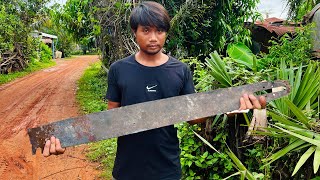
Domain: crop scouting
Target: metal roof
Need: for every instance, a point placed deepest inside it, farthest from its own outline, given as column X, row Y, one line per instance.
column 279, row 26
column 49, row 35
column 45, row 35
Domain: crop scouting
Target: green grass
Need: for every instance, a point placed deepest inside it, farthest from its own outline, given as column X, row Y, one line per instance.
column 91, row 90
column 35, row 66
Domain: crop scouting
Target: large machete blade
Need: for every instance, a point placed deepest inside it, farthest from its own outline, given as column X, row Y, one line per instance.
column 149, row 115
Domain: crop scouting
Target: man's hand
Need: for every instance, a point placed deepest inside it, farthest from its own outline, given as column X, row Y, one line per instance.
column 252, row 102
column 246, row 102
column 53, row 146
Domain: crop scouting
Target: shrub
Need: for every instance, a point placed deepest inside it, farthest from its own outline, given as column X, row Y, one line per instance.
column 45, row 53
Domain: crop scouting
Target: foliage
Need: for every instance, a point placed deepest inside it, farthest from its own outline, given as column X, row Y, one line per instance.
column 198, row 161
column 279, row 64
column 243, row 55
column 18, row 18
column 303, row 134
column 283, row 48
column 33, row 66
column 54, row 25
column 103, row 152
column 78, row 21
column 299, row 8
column 305, row 83
column 92, row 87
column 200, row 27
column 45, row 53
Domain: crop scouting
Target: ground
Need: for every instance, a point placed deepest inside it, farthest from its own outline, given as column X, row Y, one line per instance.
column 37, row 99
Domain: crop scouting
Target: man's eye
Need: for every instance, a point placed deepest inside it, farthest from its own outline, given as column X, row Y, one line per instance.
column 146, row 30
column 160, row 30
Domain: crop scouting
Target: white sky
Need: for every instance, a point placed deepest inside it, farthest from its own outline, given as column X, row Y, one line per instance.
column 275, row 8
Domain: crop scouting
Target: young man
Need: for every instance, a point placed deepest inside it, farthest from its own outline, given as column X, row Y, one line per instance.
column 146, row 76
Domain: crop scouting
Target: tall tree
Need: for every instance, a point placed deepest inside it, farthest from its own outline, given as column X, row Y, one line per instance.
column 78, row 20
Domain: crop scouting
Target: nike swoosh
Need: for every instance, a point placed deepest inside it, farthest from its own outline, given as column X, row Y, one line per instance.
column 148, row 88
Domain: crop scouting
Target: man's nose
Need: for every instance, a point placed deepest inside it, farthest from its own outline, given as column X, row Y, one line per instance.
column 153, row 36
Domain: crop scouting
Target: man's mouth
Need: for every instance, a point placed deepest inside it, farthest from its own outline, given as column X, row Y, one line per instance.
column 153, row 46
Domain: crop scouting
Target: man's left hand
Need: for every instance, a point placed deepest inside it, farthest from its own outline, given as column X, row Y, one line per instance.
column 252, row 102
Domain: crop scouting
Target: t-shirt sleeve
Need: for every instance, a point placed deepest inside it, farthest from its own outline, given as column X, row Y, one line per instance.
column 113, row 91
column 188, row 86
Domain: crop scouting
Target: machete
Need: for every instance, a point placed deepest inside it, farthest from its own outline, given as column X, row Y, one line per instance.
column 148, row 115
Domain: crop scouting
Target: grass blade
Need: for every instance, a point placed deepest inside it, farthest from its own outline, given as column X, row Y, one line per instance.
column 303, row 159
column 316, row 160
column 304, row 138
column 298, row 113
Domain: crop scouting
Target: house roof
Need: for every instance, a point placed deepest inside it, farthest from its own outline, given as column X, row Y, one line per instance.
column 279, row 26
column 43, row 35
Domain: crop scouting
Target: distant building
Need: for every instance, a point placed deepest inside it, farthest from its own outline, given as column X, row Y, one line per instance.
column 48, row 39
column 264, row 31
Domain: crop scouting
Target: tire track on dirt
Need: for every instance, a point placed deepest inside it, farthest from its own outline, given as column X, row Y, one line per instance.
column 39, row 98
column 34, row 98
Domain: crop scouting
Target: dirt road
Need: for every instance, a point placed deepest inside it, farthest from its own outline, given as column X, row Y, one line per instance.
column 39, row 98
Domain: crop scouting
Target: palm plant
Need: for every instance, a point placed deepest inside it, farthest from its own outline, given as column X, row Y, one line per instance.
column 294, row 118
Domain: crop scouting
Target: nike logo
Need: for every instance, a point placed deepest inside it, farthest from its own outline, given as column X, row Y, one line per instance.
column 150, row 89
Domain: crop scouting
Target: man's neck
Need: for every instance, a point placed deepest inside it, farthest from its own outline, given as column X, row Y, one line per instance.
column 151, row 60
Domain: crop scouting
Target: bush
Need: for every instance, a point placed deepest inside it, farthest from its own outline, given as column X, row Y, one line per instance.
column 45, row 53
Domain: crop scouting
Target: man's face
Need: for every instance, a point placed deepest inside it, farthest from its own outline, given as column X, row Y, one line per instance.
column 150, row 39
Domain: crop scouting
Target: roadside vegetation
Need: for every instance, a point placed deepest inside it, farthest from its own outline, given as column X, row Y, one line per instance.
column 5, row 78
column 92, row 88
column 40, row 60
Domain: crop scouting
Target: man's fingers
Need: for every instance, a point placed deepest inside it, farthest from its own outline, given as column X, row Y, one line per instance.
column 46, row 149
column 247, row 101
column 53, row 145
column 242, row 104
column 255, row 102
column 59, row 149
column 263, row 102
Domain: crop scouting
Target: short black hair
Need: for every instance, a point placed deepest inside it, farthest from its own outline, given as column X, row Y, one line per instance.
column 150, row 13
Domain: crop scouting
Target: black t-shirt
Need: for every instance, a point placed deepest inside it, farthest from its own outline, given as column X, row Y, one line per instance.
column 152, row 154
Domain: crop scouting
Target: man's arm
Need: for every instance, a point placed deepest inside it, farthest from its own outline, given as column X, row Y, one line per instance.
column 112, row 104
column 246, row 102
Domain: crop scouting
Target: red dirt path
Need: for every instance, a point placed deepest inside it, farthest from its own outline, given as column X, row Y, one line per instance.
column 39, row 98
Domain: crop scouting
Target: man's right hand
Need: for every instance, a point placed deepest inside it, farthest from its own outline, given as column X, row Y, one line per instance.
column 53, row 146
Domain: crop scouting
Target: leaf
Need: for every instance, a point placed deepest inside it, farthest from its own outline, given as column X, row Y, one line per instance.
column 283, row 120
column 283, row 151
column 239, row 164
column 303, row 159
column 241, row 54
column 298, row 113
column 234, row 174
column 218, row 69
column 205, row 141
column 309, row 140
column 316, row 160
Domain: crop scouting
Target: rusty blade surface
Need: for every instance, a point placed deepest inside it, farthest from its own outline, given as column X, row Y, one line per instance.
column 149, row 115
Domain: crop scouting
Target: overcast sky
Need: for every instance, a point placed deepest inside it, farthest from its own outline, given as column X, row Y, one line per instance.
column 275, row 8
